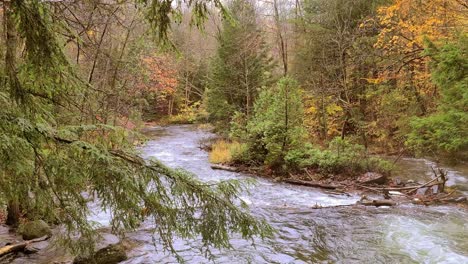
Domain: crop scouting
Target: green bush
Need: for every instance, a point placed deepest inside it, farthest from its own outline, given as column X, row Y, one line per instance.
column 446, row 130
column 277, row 124
column 342, row 156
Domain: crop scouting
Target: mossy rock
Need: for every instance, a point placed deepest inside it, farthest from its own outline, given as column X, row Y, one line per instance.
column 111, row 254
column 35, row 229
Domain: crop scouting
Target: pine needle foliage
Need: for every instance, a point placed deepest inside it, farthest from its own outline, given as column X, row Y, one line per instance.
column 445, row 131
column 240, row 68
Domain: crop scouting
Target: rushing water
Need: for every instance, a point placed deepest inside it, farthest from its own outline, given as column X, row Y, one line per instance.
column 409, row 234
column 405, row 234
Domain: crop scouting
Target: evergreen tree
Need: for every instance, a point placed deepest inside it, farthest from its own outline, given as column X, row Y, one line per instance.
column 241, row 65
column 446, row 130
column 277, row 124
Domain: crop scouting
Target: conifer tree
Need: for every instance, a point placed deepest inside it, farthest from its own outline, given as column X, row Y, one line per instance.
column 241, row 65
column 445, row 131
column 277, row 124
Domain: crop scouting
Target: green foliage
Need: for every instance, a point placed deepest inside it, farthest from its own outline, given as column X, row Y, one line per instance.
column 445, row 131
column 188, row 115
column 53, row 164
column 277, row 124
column 240, row 67
column 160, row 14
column 341, row 157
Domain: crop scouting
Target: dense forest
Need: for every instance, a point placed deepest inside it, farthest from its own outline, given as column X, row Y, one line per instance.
column 327, row 86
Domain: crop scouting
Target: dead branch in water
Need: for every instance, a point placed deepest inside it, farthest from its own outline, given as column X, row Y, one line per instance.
column 224, row 167
column 312, row 184
column 442, row 175
column 20, row 246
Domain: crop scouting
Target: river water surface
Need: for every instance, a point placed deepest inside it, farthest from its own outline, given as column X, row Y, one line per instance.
column 405, row 234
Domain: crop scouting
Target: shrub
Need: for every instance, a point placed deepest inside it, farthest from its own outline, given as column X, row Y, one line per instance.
column 188, row 115
column 227, row 152
column 277, row 124
column 342, row 156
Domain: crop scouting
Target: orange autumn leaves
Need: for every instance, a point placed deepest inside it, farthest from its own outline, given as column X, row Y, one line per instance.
column 161, row 75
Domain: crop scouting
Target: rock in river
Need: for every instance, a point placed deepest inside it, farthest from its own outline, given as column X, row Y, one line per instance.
column 111, row 254
column 35, row 229
column 372, row 177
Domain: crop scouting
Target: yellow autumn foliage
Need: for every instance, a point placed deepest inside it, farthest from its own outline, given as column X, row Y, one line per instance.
column 224, row 152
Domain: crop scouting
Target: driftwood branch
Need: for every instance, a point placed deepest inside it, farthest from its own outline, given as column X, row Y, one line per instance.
column 224, row 167
column 311, row 184
column 424, row 185
column 20, row 246
column 411, row 188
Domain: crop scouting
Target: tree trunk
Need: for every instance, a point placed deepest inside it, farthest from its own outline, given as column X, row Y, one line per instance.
column 11, row 48
column 13, row 214
column 282, row 44
column 13, row 211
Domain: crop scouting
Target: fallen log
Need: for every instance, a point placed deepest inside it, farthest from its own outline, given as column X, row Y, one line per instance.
column 20, row 246
column 378, row 203
column 312, row 184
column 224, row 167
column 408, row 188
column 426, row 184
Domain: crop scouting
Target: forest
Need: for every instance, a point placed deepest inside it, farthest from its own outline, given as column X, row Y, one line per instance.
column 318, row 93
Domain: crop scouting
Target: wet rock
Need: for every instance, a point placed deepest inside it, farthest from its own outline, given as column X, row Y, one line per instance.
column 372, row 177
column 397, row 181
column 111, row 254
column 35, row 247
column 30, row 250
column 35, row 229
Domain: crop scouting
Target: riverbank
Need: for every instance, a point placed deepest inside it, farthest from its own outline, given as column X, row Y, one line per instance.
column 339, row 232
column 382, row 187
column 404, row 234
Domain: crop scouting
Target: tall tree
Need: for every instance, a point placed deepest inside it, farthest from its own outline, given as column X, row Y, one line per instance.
column 277, row 125
column 241, row 65
column 323, row 62
column 445, row 131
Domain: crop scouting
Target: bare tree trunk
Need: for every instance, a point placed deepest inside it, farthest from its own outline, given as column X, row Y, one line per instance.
column 11, row 48
column 281, row 42
column 247, row 87
column 13, row 213
column 286, row 118
column 13, row 210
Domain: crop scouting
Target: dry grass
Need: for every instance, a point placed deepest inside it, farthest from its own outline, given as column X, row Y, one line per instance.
column 223, row 152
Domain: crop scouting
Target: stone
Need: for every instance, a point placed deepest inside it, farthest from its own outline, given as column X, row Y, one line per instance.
column 397, row 181
column 111, row 254
column 372, row 177
column 35, row 229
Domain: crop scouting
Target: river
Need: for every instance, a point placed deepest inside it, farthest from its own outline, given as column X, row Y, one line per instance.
column 404, row 234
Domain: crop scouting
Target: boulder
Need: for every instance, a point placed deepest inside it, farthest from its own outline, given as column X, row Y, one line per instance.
column 35, row 229
column 111, row 254
column 372, row 177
